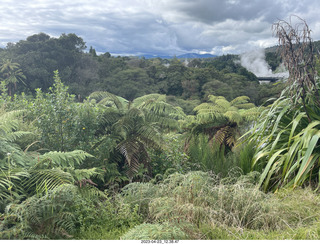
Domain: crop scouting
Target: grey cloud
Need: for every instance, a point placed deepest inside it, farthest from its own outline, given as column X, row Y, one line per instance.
column 155, row 26
column 212, row 11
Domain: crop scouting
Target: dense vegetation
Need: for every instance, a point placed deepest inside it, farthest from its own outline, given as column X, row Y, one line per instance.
column 156, row 149
column 83, row 72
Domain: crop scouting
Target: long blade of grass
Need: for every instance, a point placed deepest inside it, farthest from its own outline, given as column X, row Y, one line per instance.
column 307, row 160
column 270, row 163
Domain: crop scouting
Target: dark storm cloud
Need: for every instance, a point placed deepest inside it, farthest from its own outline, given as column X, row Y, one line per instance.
column 156, row 26
column 211, row 11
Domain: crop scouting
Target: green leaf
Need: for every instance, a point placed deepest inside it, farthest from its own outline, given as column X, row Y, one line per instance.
column 308, row 160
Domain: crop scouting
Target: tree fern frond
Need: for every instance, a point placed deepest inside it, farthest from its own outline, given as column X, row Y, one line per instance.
column 109, row 99
column 13, row 136
column 205, row 116
column 84, row 174
column 10, row 182
column 240, row 100
column 222, row 103
column 135, row 154
column 233, row 116
column 140, row 101
column 213, row 98
column 61, row 159
column 47, row 179
column 204, row 106
column 9, row 121
column 48, row 215
column 250, row 114
column 245, row 106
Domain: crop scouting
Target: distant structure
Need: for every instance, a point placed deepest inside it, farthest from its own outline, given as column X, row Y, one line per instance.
column 270, row 79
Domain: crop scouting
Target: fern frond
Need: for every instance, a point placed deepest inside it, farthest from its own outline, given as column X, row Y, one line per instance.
column 136, row 155
column 213, row 98
column 47, row 179
column 204, row 106
column 222, row 103
column 251, row 114
column 240, row 100
column 62, row 159
column 10, row 182
column 82, row 176
column 210, row 115
column 140, row 101
column 233, row 116
column 245, row 106
column 13, row 136
column 109, row 99
column 9, row 121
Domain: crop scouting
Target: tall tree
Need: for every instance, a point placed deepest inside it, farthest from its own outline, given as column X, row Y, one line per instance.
column 11, row 74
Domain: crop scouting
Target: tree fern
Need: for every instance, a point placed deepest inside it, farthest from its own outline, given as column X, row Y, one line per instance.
column 220, row 118
column 138, row 126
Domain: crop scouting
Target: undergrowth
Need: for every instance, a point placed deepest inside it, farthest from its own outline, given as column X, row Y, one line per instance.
column 203, row 206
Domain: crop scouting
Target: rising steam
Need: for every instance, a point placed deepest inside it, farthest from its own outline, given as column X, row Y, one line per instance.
column 255, row 62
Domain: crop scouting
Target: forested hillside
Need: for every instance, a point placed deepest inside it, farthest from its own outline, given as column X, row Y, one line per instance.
column 130, row 77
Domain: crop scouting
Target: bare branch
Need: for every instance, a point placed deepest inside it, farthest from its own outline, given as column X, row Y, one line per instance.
column 297, row 53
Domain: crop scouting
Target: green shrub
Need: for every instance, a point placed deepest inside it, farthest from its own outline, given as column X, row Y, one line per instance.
column 139, row 194
column 68, row 212
column 211, row 156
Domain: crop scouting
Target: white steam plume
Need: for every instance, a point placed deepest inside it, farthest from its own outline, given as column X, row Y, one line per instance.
column 255, row 62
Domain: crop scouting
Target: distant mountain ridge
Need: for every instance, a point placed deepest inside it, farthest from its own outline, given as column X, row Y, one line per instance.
column 182, row 56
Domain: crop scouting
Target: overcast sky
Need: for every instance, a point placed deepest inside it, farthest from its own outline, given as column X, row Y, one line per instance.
column 165, row 27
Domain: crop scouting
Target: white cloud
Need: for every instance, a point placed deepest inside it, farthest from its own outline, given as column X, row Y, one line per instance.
column 156, row 26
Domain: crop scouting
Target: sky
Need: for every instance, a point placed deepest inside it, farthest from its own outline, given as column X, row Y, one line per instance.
column 157, row 27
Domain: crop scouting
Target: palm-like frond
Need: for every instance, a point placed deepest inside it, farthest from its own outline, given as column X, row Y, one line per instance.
column 240, row 100
column 147, row 98
column 8, row 66
column 138, row 126
column 61, row 159
column 251, row 114
column 10, row 182
column 207, row 112
column 14, row 162
column 9, row 120
column 136, row 154
column 82, row 176
column 138, row 134
column 46, row 216
column 109, row 99
column 43, row 180
column 227, row 135
column 233, row 116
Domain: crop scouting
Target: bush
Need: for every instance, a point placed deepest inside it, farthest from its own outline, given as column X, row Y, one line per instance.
column 211, row 156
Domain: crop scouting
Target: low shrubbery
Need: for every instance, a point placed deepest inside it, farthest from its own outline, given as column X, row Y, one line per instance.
column 203, row 206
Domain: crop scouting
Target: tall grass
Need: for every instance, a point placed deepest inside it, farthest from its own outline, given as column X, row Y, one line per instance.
column 204, row 206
